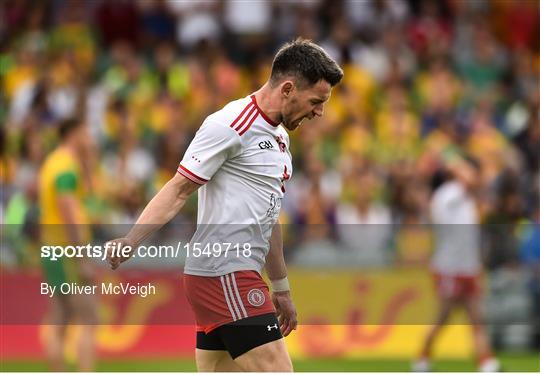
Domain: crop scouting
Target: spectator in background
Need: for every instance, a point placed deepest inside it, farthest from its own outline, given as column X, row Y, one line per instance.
column 528, row 143
column 438, row 92
column 370, row 18
column 253, row 32
column 315, row 219
column 445, row 137
column 530, row 258
column 196, row 21
column 501, row 228
column 19, row 86
column 397, row 129
column 314, row 230
column 171, row 73
column 409, row 198
column 34, row 37
column 517, row 22
column 118, row 21
column 296, row 18
column 64, row 86
column 387, row 56
column 430, row 33
column 482, row 70
column 341, row 44
column 364, row 224
column 485, row 143
column 19, row 199
column 157, row 23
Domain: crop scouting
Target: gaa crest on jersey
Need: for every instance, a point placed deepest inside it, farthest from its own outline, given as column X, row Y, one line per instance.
column 281, row 143
column 256, row 297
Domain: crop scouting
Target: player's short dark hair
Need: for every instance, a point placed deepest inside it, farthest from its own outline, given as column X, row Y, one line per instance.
column 307, row 62
column 67, row 126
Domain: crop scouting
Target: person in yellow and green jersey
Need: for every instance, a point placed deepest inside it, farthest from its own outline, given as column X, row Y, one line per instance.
column 64, row 222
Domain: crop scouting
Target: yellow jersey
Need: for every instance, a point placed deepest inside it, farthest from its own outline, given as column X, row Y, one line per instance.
column 60, row 174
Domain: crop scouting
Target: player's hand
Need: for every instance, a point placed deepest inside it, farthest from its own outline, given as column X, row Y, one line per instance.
column 286, row 311
column 115, row 257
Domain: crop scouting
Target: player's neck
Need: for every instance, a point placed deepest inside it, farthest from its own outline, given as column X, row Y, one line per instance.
column 70, row 148
column 268, row 101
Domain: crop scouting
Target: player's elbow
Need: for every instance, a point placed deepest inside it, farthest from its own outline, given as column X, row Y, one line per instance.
column 183, row 187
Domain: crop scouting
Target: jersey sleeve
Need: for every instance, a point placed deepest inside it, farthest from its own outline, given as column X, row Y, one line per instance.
column 66, row 182
column 287, row 140
column 212, row 145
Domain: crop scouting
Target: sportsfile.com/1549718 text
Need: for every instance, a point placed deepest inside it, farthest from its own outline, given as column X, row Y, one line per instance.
column 55, row 252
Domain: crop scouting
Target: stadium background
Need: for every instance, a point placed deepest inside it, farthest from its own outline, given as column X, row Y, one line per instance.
column 422, row 79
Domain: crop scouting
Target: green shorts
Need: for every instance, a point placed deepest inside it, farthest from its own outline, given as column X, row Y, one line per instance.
column 63, row 270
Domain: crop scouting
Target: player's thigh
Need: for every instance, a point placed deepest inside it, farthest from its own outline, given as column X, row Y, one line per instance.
column 84, row 309
column 210, row 361
column 473, row 309
column 272, row 356
column 211, row 354
column 256, row 343
column 60, row 311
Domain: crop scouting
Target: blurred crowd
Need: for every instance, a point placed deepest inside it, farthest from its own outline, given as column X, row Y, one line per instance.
column 423, row 79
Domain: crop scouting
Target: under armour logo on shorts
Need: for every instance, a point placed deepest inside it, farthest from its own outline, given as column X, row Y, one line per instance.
column 272, row 327
column 256, row 297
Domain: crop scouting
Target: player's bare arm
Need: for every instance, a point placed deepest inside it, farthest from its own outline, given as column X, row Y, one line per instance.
column 277, row 272
column 464, row 173
column 160, row 210
column 67, row 205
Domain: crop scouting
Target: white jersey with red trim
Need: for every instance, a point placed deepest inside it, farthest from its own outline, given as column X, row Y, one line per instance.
column 456, row 223
column 242, row 160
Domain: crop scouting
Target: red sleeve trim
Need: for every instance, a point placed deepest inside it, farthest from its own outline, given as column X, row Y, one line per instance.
column 191, row 176
column 246, row 128
column 241, row 115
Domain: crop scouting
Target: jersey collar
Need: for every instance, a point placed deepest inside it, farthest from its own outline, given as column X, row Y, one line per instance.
column 263, row 114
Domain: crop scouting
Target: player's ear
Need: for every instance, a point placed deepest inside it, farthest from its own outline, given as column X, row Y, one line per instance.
column 286, row 88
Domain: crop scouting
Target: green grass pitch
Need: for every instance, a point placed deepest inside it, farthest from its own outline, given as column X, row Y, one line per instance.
column 524, row 362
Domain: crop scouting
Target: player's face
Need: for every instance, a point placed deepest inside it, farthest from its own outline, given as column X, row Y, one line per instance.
column 305, row 103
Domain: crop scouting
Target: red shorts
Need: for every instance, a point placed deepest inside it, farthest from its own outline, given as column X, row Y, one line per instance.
column 457, row 286
column 217, row 301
